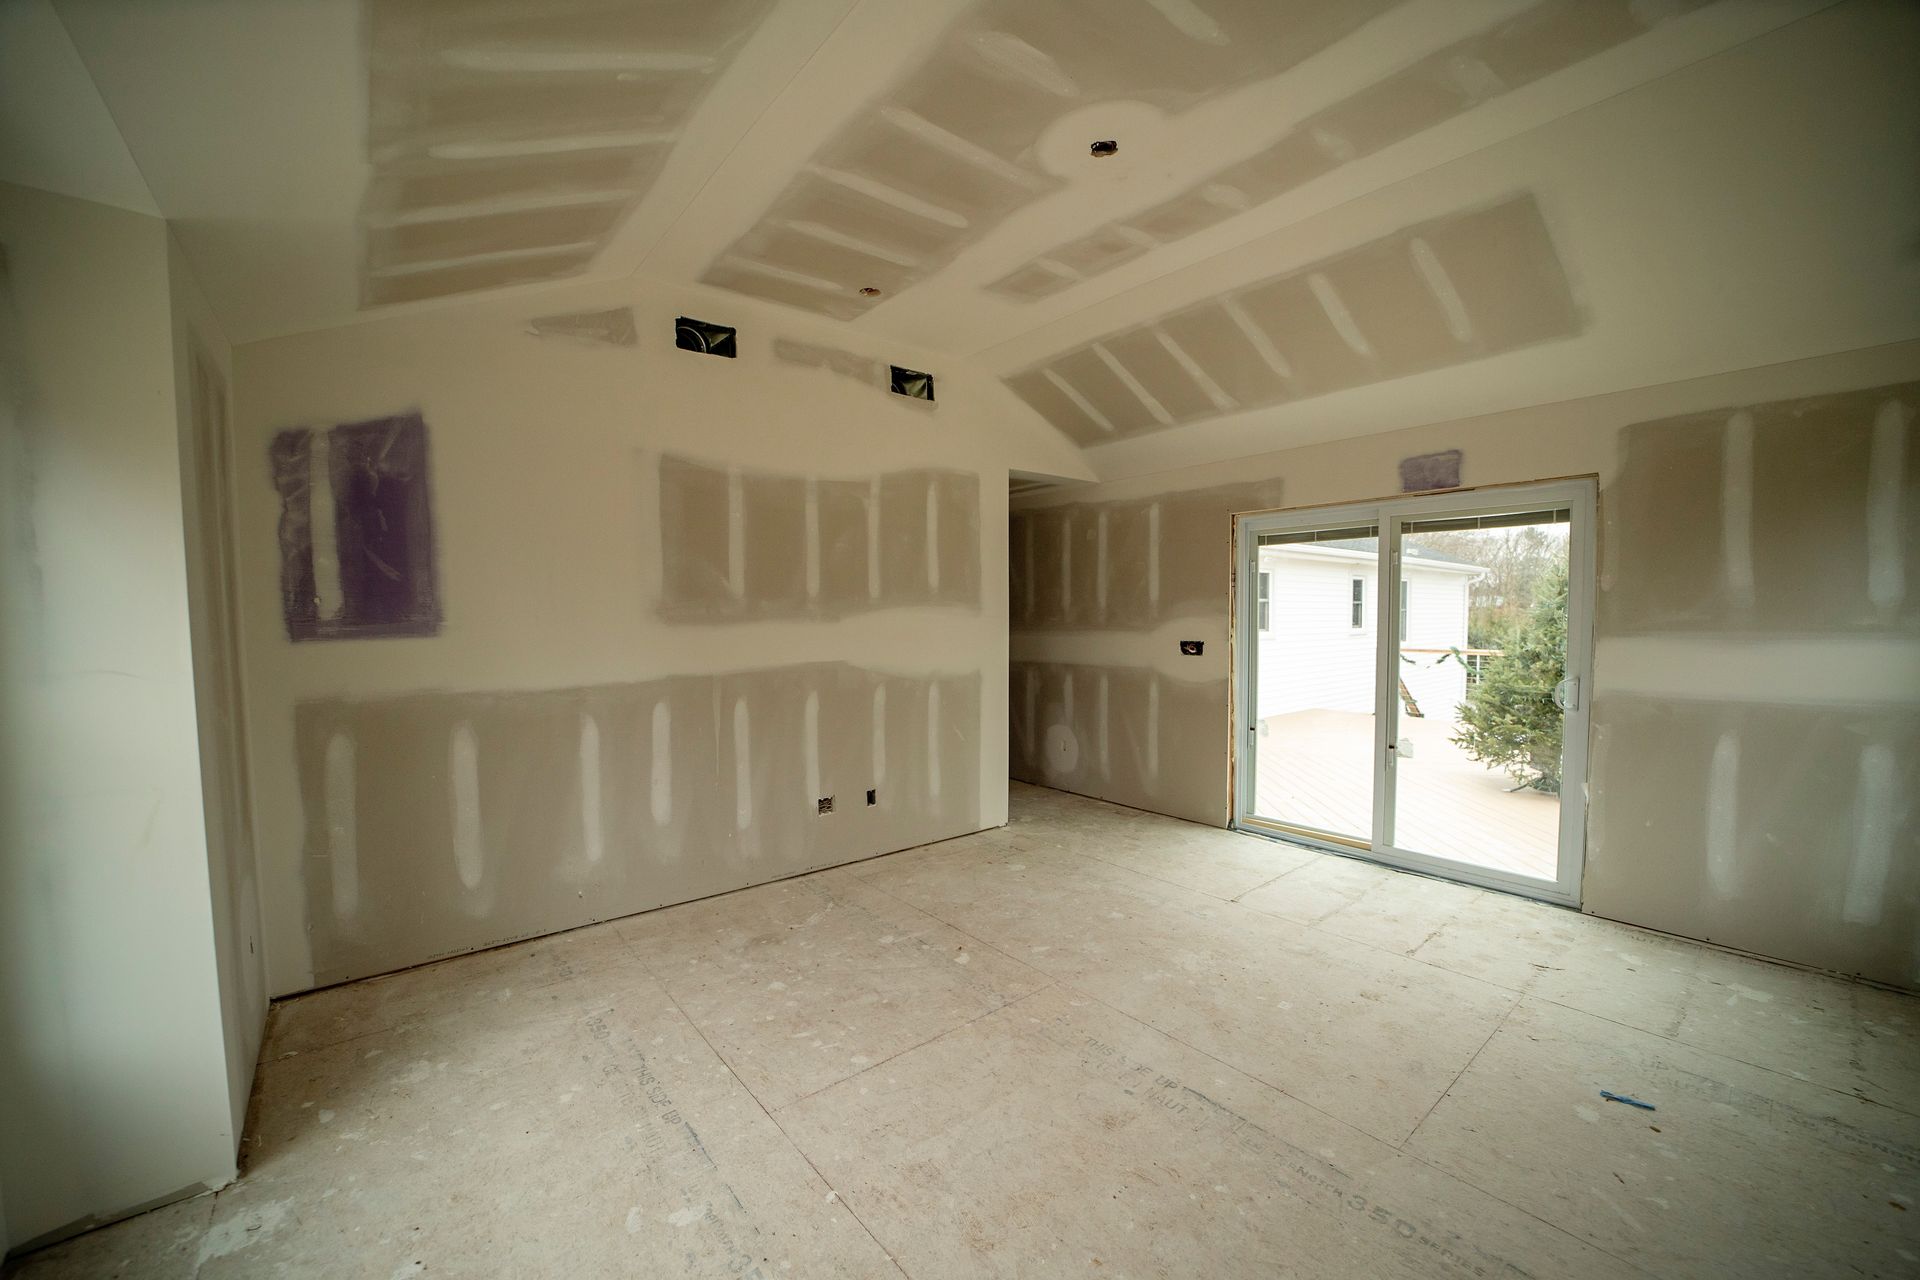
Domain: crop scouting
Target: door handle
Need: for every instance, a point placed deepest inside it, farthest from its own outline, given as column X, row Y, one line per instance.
column 1566, row 694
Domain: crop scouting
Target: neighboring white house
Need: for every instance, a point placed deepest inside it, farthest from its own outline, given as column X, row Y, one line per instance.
column 1318, row 619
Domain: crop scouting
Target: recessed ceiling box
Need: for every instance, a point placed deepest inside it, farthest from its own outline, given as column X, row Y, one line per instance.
column 712, row 339
column 912, row 383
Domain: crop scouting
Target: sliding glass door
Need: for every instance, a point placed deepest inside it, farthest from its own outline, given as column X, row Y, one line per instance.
column 1412, row 682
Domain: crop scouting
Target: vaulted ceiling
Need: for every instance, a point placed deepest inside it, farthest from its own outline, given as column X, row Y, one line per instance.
column 1321, row 214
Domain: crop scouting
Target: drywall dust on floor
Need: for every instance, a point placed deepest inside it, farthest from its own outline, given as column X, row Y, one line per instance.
column 1443, row 292
column 507, row 145
column 960, row 142
column 438, row 823
column 740, row 544
column 1539, row 41
column 1093, row 1041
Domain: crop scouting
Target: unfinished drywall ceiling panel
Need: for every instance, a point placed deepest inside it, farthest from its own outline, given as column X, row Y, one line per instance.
column 1677, row 267
column 1540, row 40
column 1235, row 172
column 964, row 138
column 507, row 145
column 55, row 132
column 1442, row 292
column 253, row 122
column 1783, row 539
column 681, row 600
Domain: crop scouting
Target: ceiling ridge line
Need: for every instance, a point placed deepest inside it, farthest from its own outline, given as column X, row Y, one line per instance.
column 692, row 199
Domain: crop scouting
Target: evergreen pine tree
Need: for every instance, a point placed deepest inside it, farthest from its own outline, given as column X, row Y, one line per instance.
column 1510, row 720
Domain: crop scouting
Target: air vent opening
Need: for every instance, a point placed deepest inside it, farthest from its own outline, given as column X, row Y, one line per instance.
column 708, row 339
column 912, row 383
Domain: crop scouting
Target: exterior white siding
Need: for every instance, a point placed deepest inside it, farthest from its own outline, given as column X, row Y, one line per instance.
column 1311, row 656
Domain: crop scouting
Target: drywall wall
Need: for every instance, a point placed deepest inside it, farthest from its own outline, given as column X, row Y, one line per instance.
column 1756, row 712
column 202, row 376
column 114, row 1083
column 665, row 603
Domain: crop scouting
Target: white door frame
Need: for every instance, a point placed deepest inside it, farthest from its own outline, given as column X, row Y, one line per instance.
column 1391, row 515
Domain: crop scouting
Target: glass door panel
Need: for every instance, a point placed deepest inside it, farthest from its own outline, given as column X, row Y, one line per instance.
column 1411, row 682
column 1313, row 655
column 1481, row 657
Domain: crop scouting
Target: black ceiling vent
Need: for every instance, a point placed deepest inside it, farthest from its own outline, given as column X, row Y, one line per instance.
column 697, row 335
column 912, row 383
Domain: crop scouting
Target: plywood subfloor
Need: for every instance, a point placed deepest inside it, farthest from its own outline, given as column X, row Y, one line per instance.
column 1095, row 1042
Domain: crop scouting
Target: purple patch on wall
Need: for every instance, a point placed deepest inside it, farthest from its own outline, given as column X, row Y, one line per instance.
column 368, row 569
column 1430, row 471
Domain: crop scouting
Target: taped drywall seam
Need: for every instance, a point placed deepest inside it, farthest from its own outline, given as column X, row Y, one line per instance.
column 879, row 765
column 873, row 539
column 933, row 536
column 1723, row 808
column 742, row 767
column 933, row 742
column 813, row 539
column 469, row 848
column 661, row 782
column 1886, row 483
column 326, row 552
column 590, row 833
column 1736, row 508
column 810, row 747
column 736, row 535
column 1875, row 794
column 342, row 828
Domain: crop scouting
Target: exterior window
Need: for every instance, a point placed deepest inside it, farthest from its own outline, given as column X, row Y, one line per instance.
column 1359, row 609
column 1405, row 598
column 1265, row 604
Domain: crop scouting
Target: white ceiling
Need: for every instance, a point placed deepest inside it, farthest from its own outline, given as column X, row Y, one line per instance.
column 55, row 133
column 1720, row 183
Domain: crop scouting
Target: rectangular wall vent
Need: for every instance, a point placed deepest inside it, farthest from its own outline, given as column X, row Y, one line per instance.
column 697, row 335
column 912, row 383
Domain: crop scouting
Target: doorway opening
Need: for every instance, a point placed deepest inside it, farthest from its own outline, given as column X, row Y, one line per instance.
column 1412, row 680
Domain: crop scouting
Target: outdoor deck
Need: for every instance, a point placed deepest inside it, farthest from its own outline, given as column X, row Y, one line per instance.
column 1315, row 769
